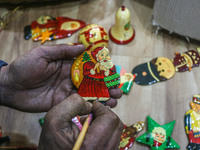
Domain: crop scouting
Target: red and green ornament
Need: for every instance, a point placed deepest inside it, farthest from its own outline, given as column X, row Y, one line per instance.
column 158, row 137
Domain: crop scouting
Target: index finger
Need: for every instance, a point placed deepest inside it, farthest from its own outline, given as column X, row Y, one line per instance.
column 62, row 51
column 67, row 109
column 102, row 128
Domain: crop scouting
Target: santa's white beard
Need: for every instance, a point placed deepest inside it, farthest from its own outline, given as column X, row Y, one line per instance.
column 107, row 64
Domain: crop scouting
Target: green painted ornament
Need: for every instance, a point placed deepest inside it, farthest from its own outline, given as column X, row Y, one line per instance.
column 158, row 137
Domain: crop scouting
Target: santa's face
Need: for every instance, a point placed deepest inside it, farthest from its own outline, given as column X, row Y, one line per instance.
column 159, row 134
column 159, row 137
column 104, row 59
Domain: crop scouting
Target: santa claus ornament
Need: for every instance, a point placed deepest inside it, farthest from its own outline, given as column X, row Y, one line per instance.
column 93, row 73
column 157, row 136
column 48, row 28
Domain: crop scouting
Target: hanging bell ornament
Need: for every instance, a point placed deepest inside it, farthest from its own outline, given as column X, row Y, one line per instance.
column 121, row 32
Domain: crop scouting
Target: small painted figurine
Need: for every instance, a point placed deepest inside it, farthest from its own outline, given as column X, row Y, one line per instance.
column 186, row 61
column 129, row 134
column 93, row 36
column 158, row 69
column 126, row 79
column 192, row 124
column 157, row 136
column 93, row 73
column 48, row 28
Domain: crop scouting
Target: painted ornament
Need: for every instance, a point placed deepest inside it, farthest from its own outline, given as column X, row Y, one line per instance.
column 48, row 28
column 93, row 73
column 129, row 134
column 186, row 61
column 158, row 69
column 122, row 32
column 126, row 79
column 158, row 137
column 93, row 36
column 192, row 124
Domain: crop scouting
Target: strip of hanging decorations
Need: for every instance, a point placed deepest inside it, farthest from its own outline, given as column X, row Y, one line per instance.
column 9, row 16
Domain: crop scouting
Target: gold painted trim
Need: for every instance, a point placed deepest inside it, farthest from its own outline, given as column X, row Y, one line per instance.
column 149, row 67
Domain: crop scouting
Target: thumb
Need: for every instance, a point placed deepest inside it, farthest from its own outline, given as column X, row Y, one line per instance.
column 62, row 51
column 72, row 106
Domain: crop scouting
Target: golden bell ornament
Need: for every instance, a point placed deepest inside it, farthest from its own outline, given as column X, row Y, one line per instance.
column 121, row 32
column 93, row 36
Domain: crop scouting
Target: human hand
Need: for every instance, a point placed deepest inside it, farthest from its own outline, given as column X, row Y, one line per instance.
column 41, row 78
column 60, row 133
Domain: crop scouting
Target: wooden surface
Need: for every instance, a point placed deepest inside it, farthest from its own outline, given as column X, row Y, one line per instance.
column 164, row 102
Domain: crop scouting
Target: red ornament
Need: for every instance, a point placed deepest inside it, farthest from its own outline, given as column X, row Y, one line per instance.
column 186, row 61
column 48, row 28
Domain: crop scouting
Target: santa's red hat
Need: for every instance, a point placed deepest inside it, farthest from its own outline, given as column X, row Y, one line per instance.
column 96, row 51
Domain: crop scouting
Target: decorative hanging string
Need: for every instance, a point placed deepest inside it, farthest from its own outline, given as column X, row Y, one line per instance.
column 9, row 16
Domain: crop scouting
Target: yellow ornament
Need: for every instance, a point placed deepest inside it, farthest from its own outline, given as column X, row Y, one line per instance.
column 122, row 32
column 93, row 36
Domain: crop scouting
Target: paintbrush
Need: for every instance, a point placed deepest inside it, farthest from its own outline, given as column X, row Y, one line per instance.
column 83, row 132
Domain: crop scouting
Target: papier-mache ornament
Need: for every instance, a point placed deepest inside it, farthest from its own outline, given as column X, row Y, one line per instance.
column 186, row 61
column 158, row 137
column 93, row 36
column 192, row 124
column 157, row 70
column 122, row 32
column 126, row 79
column 48, row 28
column 129, row 134
column 93, row 73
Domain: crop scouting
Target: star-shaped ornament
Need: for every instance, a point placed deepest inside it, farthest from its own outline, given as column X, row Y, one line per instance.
column 158, row 137
column 46, row 36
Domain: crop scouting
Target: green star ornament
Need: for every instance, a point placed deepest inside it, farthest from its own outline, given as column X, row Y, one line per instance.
column 157, row 136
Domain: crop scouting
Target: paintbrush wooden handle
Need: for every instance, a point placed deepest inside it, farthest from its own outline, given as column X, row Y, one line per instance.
column 83, row 132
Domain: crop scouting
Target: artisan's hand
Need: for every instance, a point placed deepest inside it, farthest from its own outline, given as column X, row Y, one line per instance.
column 41, row 78
column 60, row 133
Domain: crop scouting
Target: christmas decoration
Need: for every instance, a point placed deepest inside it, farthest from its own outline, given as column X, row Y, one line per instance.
column 192, row 124
column 93, row 36
column 48, row 28
column 158, row 137
column 93, row 73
